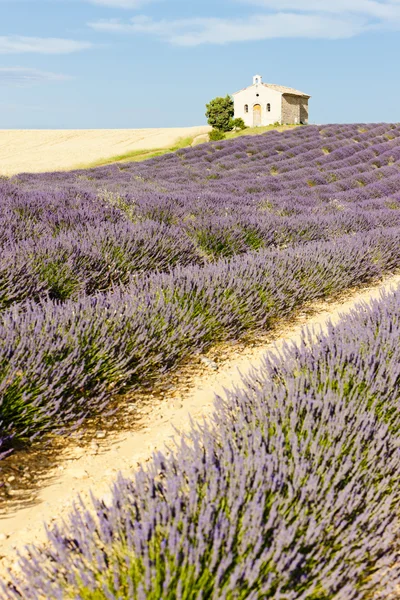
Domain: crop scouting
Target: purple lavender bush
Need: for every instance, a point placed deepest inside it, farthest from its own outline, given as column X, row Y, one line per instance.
column 291, row 491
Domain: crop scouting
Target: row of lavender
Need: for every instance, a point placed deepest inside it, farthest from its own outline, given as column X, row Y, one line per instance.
column 60, row 363
column 92, row 246
column 67, row 234
column 292, row 491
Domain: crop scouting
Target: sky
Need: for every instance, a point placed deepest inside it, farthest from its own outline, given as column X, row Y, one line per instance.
column 68, row 64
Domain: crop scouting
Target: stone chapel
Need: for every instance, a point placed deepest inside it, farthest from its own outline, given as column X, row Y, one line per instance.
column 263, row 104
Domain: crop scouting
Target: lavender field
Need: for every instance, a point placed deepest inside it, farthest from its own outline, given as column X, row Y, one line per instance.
column 111, row 277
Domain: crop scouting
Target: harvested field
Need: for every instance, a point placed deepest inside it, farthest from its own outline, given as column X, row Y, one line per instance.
column 36, row 151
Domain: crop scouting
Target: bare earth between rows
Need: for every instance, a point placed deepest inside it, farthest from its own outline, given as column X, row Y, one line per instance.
column 93, row 468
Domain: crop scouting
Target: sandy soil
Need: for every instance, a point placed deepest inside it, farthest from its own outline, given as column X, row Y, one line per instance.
column 93, row 468
column 35, row 151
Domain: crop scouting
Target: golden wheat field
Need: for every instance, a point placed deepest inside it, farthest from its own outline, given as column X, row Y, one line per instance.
column 36, row 151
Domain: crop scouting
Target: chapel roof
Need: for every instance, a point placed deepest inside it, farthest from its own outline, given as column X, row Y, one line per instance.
column 278, row 88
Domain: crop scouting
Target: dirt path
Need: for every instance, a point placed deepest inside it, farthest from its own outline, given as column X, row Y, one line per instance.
column 94, row 468
column 200, row 139
column 36, row 151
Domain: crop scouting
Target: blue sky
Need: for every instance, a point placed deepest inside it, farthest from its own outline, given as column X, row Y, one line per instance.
column 155, row 63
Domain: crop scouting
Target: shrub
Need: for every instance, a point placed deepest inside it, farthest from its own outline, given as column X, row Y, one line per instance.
column 238, row 124
column 216, row 135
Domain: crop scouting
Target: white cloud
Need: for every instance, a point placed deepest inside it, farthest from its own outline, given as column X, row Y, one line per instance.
column 132, row 4
column 22, row 76
column 194, row 32
column 372, row 8
column 17, row 44
column 325, row 19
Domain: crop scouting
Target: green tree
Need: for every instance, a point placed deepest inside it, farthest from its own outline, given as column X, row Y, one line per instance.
column 220, row 112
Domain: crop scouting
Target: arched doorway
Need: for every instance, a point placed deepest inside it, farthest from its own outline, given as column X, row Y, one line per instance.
column 256, row 115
